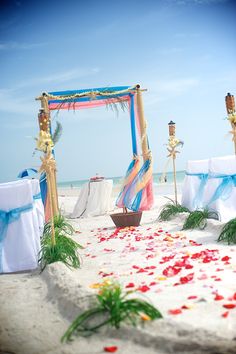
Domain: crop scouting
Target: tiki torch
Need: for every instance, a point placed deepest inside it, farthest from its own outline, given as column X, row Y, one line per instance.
column 230, row 107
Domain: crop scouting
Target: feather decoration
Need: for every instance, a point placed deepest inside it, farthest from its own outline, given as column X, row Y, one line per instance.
column 57, row 133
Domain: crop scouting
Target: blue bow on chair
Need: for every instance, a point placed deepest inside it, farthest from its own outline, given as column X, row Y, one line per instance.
column 6, row 218
column 224, row 190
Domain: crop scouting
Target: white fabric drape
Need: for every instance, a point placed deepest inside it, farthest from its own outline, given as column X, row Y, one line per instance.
column 192, row 198
column 94, row 199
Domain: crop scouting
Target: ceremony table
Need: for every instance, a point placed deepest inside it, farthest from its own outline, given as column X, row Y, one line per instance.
column 94, row 199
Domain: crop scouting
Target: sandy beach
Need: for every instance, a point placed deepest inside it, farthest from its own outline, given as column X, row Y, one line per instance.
column 188, row 276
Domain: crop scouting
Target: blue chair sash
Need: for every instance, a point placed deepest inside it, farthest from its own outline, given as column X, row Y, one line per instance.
column 197, row 202
column 224, row 190
column 6, row 218
column 37, row 196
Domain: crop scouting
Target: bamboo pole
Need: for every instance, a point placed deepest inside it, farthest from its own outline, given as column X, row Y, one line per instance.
column 230, row 107
column 143, row 125
column 54, row 193
column 175, row 184
column 51, row 206
column 233, row 125
column 172, row 154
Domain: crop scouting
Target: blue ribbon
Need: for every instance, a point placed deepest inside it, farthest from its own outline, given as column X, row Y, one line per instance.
column 197, row 202
column 37, row 196
column 224, row 189
column 6, row 218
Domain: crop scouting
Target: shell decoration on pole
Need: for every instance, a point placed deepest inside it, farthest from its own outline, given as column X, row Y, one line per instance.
column 230, row 107
column 173, row 143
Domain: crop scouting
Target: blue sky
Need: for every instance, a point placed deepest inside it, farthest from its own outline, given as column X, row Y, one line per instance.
column 182, row 51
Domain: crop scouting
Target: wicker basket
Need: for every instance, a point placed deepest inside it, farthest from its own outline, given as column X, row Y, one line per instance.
column 127, row 219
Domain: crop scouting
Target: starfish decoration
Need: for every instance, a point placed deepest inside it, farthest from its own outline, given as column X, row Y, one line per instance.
column 48, row 163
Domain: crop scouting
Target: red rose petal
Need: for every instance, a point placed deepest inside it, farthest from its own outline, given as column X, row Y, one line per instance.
column 218, row 297
column 187, row 278
column 229, row 306
column 225, row 259
column 111, row 349
column 175, row 311
column 135, row 267
column 234, row 296
column 225, row 314
column 152, row 283
column 191, row 297
column 141, row 270
column 188, row 266
column 130, row 285
column 143, row 288
column 171, row 271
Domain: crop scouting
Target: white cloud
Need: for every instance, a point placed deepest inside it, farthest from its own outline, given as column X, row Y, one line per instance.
column 10, row 102
column 17, row 45
column 59, row 77
column 162, row 90
column 18, row 100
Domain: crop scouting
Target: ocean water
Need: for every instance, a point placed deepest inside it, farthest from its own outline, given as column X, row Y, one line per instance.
column 117, row 181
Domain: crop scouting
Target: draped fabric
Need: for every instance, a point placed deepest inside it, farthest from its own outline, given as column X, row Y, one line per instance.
column 203, row 177
column 137, row 189
column 136, row 193
column 224, row 190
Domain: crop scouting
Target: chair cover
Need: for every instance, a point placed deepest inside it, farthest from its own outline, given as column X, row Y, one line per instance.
column 94, row 199
column 220, row 192
column 18, row 237
column 194, row 184
column 38, row 204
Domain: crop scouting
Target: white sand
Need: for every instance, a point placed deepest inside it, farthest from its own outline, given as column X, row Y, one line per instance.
column 36, row 309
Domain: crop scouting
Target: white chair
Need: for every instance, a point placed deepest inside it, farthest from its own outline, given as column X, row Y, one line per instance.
column 18, row 237
column 38, row 204
column 220, row 191
column 194, row 184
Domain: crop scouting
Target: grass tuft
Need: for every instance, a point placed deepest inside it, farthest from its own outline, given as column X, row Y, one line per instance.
column 60, row 224
column 65, row 250
column 228, row 233
column 198, row 219
column 112, row 309
column 170, row 210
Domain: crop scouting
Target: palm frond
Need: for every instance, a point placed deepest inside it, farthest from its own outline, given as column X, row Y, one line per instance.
column 170, row 210
column 198, row 219
column 116, row 103
column 112, row 308
column 228, row 233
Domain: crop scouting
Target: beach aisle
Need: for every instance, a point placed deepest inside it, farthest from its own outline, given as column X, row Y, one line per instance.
column 188, row 276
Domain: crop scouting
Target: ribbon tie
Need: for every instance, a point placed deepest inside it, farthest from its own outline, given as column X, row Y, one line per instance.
column 224, row 190
column 197, row 202
column 6, row 218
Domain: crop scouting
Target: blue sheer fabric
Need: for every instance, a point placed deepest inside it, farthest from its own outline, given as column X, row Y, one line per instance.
column 197, row 202
column 6, row 218
column 133, row 200
column 224, row 190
